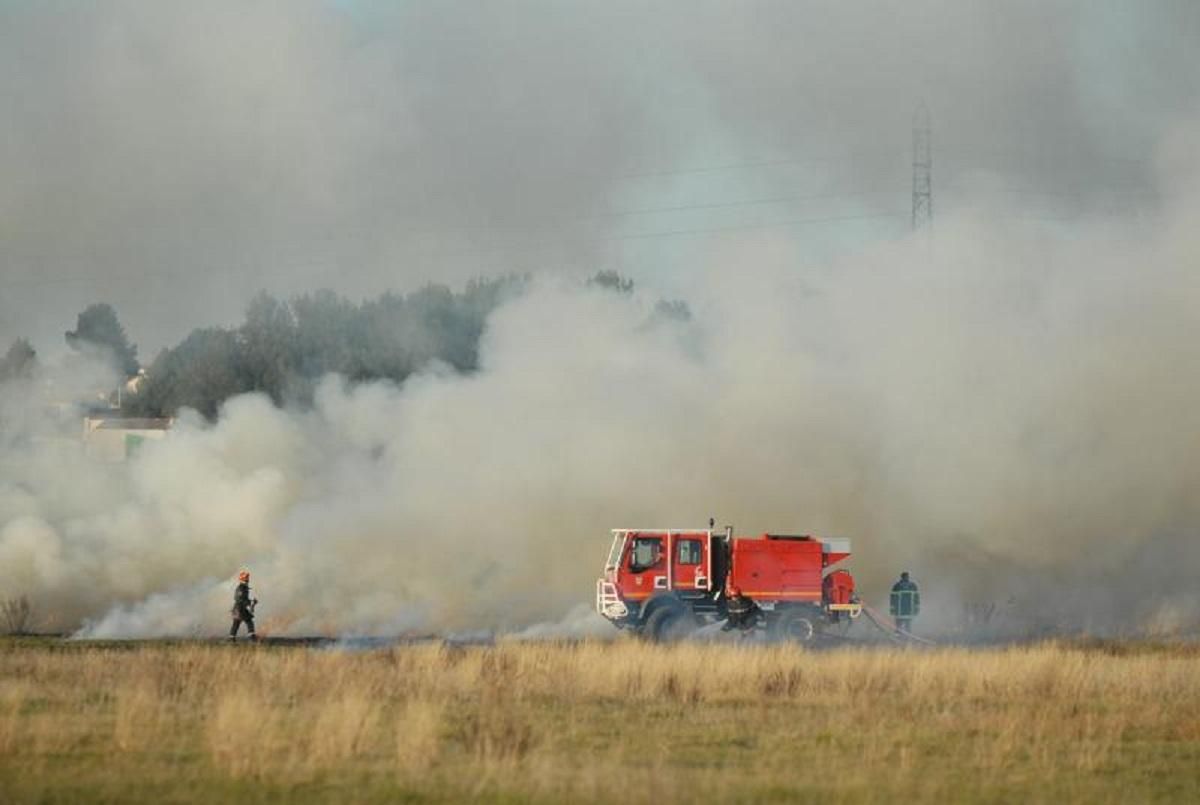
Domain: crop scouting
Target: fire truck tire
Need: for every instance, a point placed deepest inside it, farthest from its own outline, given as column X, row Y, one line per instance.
column 669, row 623
column 796, row 625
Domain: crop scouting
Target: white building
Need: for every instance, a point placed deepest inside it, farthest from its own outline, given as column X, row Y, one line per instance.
column 117, row 438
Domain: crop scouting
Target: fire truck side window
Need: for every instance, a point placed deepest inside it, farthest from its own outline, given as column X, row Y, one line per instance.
column 689, row 552
column 645, row 554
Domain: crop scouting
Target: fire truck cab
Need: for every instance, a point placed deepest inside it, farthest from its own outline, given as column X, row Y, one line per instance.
column 665, row 583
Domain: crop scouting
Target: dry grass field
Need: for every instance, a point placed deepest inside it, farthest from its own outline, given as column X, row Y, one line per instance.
column 621, row 722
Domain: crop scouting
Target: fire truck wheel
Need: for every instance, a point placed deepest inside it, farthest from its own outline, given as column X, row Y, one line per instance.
column 669, row 623
column 796, row 625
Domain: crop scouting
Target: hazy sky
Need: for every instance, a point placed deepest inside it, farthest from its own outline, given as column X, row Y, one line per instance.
column 173, row 158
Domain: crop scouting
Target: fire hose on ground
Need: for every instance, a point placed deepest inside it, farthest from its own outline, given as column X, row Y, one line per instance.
column 888, row 626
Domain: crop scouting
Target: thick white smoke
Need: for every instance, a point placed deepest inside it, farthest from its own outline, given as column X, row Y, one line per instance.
column 1007, row 411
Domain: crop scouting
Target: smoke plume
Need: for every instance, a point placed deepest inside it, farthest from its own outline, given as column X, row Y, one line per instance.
column 1004, row 407
column 1004, row 412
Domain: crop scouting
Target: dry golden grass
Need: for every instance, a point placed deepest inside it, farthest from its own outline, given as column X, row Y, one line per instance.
column 622, row 722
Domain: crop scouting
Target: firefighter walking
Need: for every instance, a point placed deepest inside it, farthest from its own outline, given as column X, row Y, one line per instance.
column 905, row 602
column 243, row 607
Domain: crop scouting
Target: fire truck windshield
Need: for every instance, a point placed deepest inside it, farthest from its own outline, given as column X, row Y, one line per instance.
column 646, row 553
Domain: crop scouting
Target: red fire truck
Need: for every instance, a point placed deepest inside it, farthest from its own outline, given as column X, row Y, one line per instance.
column 665, row 583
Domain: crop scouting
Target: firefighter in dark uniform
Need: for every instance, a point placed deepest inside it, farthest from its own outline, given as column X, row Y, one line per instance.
column 243, row 607
column 741, row 611
column 905, row 602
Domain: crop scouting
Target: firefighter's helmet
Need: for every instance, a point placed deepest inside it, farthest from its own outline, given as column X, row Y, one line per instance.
column 244, row 576
column 734, row 591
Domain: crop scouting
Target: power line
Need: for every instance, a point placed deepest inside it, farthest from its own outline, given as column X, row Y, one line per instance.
column 652, row 210
column 754, row 164
column 1077, row 194
column 785, row 199
column 769, row 225
column 974, row 151
column 969, row 150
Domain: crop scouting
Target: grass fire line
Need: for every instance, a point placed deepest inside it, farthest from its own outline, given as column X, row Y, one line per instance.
column 583, row 722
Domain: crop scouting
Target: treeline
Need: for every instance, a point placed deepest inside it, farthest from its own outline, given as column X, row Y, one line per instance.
column 284, row 347
column 97, row 334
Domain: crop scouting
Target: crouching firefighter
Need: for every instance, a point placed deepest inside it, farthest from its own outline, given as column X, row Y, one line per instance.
column 742, row 612
column 243, row 607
